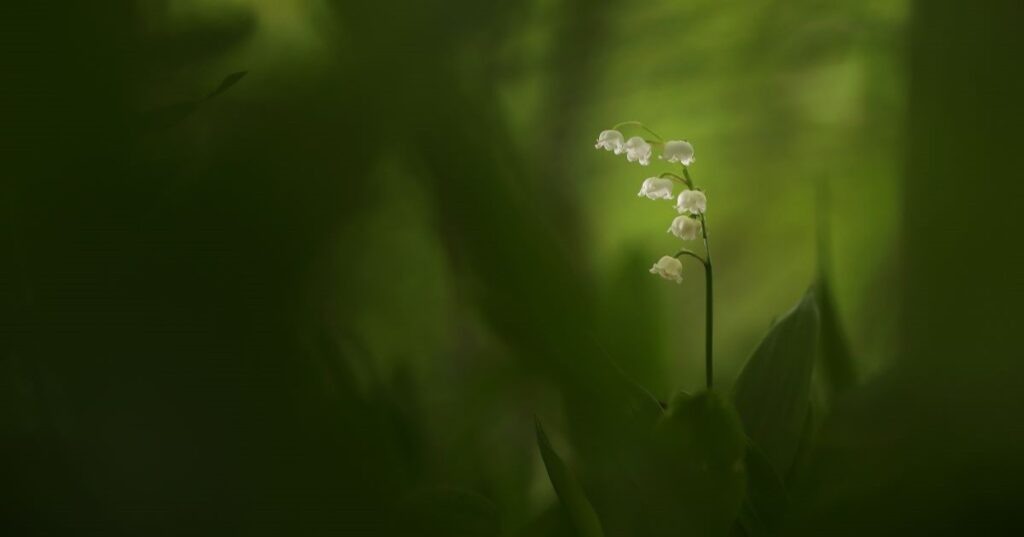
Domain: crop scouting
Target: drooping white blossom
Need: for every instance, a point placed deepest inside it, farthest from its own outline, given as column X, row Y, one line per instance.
column 685, row 227
column 669, row 268
column 692, row 201
column 638, row 150
column 611, row 140
column 678, row 151
column 656, row 188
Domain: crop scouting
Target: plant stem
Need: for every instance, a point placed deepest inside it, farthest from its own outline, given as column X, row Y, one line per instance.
column 709, row 303
column 640, row 125
column 709, row 296
column 684, row 251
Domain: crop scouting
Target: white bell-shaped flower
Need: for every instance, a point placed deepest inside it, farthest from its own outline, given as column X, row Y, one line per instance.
column 611, row 140
column 638, row 150
column 669, row 268
column 692, row 201
column 656, row 188
column 678, row 151
column 685, row 227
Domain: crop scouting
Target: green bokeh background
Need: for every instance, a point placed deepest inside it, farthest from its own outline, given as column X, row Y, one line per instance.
column 354, row 277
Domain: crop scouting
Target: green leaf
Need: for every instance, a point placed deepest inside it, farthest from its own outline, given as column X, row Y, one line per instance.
column 616, row 441
column 168, row 116
column 228, row 81
column 773, row 391
column 695, row 480
column 836, row 373
column 446, row 511
column 551, row 522
column 837, row 370
column 580, row 513
column 645, row 409
column 808, row 439
column 766, row 497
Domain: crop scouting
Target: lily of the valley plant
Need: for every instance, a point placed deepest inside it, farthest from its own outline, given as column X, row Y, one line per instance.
column 691, row 205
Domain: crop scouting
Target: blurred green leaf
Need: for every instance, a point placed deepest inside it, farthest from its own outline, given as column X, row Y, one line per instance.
column 645, row 409
column 772, row 393
column 695, row 479
column 228, row 81
column 167, row 116
column 213, row 32
column 614, row 457
column 836, row 373
column 581, row 513
column 808, row 438
column 837, row 369
column 449, row 512
column 766, row 497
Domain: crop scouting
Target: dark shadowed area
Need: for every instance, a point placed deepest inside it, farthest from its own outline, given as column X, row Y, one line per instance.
column 328, row 267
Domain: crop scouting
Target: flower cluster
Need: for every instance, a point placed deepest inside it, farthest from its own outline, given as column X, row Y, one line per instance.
column 690, row 203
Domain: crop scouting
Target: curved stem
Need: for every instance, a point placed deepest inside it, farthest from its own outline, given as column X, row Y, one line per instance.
column 642, row 126
column 674, row 176
column 694, row 255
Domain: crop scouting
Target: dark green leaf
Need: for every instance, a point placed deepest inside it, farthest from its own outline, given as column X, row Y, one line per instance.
column 694, row 481
column 446, row 511
column 168, row 116
column 645, row 409
column 581, row 515
column 837, row 373
column 808, row 437
column 772, row 393
column 766, row 498
column 612, row 456
column 213, row 34
column 837, row 369
column 228, row 81
column 551, row 522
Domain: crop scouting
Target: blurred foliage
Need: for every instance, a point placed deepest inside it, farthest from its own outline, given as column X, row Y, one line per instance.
column 328, row 297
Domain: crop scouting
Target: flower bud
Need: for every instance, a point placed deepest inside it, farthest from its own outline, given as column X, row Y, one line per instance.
column 638, row 150
column 610, row 140
column 692, row 201
column 685, row 227
column 656, row 188
column 669, row 268
column 678, row 151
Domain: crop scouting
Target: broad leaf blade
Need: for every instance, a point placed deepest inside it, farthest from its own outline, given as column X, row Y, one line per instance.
column 837, row 370
column 446, row 511
column 766, row 498
column 580, row 513
column 694, row 482
column 773, row 391
column 168, row 116
column 228, row 81
column 645, row 409
column 808, row 441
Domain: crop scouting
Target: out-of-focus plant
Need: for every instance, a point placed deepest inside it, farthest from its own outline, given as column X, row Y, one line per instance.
column 705, row 464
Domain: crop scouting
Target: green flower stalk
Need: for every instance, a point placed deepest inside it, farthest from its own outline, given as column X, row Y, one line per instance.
column 691, row 204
